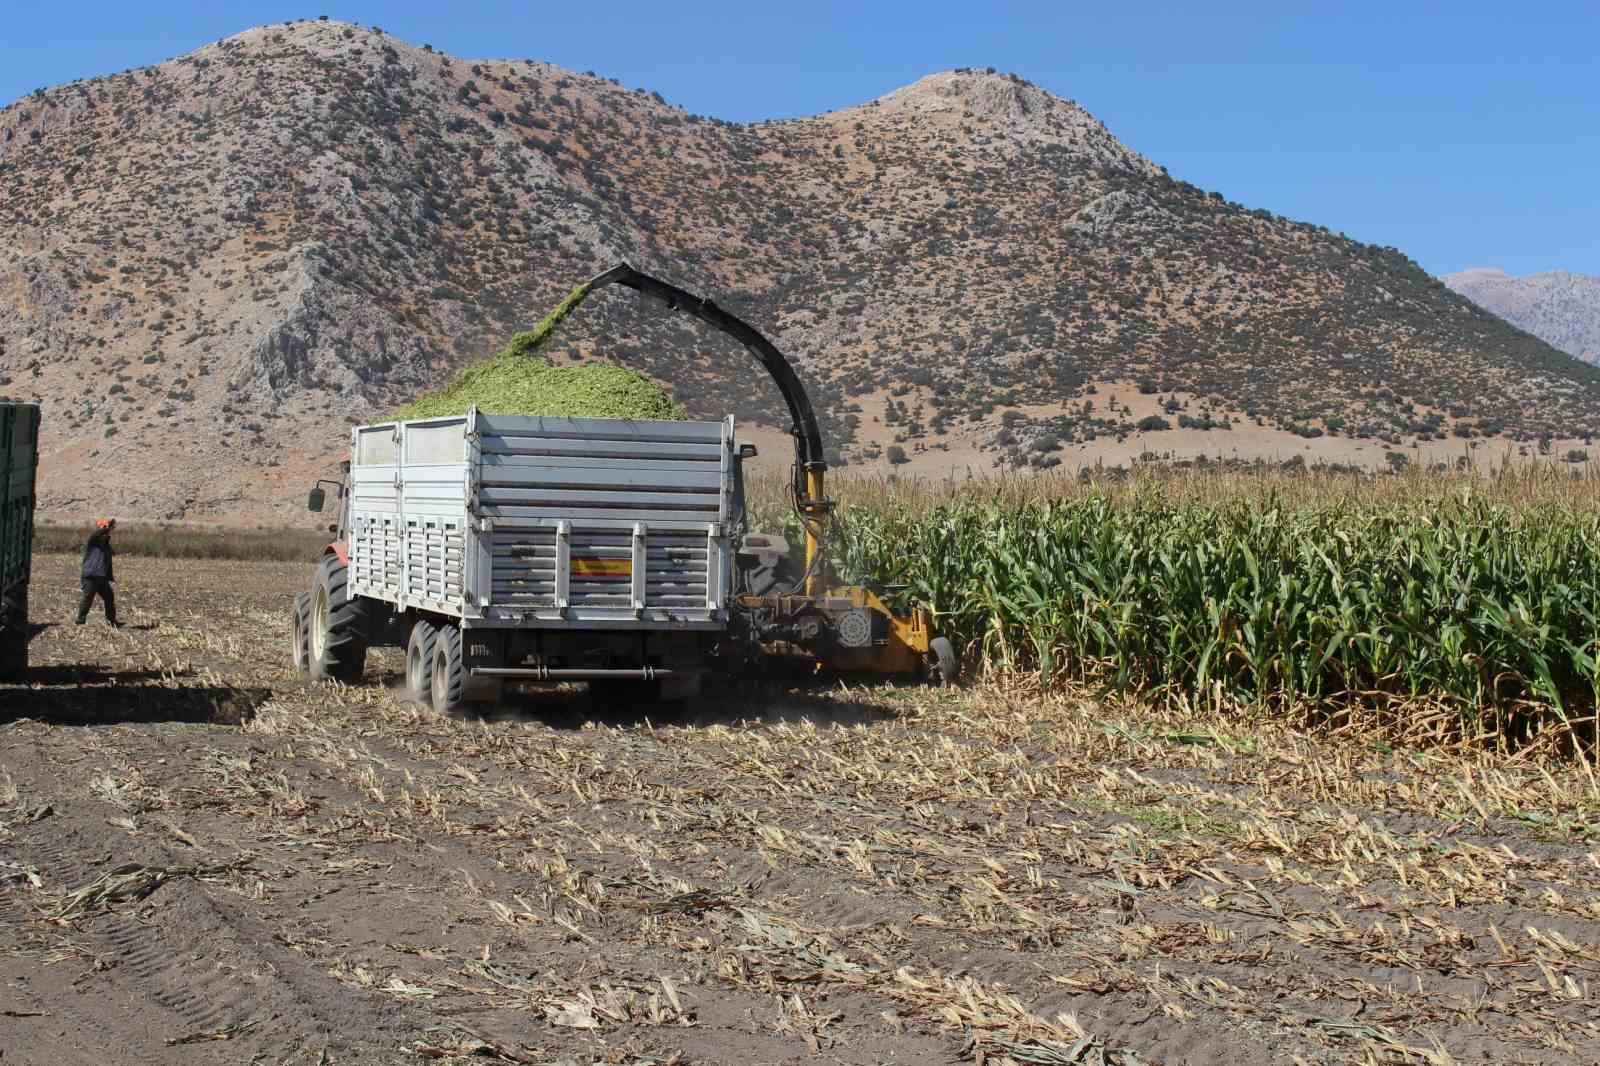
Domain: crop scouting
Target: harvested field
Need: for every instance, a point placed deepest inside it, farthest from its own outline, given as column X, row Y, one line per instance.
column 205, row 860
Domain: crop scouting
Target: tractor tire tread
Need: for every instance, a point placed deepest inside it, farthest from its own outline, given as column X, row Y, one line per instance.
column 345, row 643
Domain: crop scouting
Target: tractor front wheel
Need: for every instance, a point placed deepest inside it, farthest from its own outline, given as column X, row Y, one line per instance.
column 300, row 634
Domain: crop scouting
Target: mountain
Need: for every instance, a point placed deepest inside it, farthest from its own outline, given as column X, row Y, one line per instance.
column 211, row 267
column 1556, row 306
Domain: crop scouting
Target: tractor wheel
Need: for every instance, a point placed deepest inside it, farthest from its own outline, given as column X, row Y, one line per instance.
column 943, row 666
column 300, row 634
column 338, row 625
column 449, row 682
column 419, row 662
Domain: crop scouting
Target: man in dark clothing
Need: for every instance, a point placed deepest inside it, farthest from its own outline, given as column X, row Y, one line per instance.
column 98, row 573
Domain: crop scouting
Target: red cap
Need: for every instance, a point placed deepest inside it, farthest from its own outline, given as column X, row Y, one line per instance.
column 105, row 523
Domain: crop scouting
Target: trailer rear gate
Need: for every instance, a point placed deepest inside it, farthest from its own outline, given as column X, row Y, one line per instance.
column 520, row 521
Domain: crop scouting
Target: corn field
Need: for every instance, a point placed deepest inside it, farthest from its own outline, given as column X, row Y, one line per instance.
column 1472, row 601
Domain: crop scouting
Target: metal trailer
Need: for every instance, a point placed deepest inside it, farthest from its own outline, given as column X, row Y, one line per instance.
column 532, row 549
column 19, row 461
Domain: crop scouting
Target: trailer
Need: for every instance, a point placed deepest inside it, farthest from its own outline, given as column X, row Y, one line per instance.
column 500, row 549
column 514, row 548
column 19, row 461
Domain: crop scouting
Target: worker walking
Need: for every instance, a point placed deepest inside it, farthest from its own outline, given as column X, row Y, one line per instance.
column 98, row 573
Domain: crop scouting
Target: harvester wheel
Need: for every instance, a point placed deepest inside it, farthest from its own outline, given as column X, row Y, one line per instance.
column 943, row 666
column 419, row 662
column 300, row 634
column 337, row 625
column 449, row 682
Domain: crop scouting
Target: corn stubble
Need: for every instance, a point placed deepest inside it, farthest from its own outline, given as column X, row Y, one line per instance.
column 1010, row 873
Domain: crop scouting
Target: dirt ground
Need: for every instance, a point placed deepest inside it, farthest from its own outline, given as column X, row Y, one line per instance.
column 204, row 859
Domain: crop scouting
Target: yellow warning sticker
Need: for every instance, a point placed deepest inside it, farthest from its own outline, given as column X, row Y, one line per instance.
column 589, row 567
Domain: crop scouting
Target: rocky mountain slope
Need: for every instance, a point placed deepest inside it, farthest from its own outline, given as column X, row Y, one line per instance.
column 211, row 267
column 1556, row 306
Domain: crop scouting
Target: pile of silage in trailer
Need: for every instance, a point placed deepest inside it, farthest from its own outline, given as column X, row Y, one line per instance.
column 517, row 382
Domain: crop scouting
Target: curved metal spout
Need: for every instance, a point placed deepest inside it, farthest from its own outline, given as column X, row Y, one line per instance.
column 807, row 437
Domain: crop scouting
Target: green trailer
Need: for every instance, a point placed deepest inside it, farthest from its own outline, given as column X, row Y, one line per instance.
column 19, row 461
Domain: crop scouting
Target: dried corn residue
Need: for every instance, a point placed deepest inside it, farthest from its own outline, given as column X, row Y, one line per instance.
column 517, row 382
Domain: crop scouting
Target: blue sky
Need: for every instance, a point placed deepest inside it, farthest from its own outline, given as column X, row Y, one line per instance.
column 1466, row 133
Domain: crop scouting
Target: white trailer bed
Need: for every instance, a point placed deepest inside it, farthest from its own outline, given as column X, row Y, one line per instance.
column 512, row 521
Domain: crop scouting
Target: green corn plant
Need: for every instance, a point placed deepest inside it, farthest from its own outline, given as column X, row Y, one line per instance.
column 1480, row 603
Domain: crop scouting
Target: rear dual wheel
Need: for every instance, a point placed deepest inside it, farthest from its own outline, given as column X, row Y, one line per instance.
column 436, row 673
column 449, row 681
column 419, row 662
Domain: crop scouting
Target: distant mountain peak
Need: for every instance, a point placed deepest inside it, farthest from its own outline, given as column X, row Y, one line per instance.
column 987, row 94
column 1557, row 306
column 1022, row 113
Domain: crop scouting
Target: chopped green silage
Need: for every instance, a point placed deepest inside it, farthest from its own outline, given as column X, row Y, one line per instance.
column 511, row 384
column 533, row 342
column 517, row 382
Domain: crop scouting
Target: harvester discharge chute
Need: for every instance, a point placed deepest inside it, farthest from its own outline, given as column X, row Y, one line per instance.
column 847, row 628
